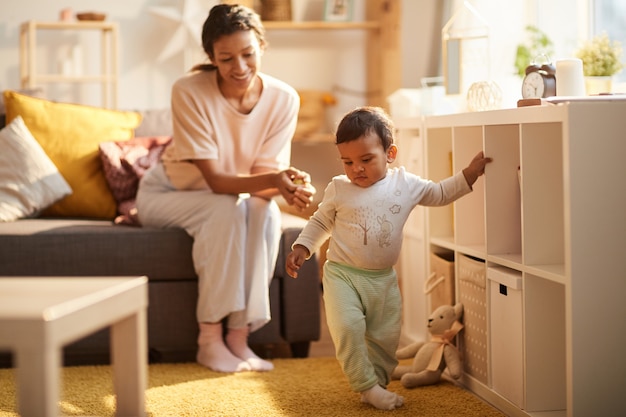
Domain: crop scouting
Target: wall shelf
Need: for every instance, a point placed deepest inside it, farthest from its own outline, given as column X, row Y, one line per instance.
column 320, row 25
column 383, row 66
column 107, row 78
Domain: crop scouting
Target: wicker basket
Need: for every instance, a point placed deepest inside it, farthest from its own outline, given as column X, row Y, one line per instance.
column 440, row 284
column 473, row 294
column 276, row 9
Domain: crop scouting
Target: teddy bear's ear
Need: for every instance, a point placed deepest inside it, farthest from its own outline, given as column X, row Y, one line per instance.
column 458, row 310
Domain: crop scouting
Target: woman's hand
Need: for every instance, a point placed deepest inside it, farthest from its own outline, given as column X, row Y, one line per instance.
column 295, row 187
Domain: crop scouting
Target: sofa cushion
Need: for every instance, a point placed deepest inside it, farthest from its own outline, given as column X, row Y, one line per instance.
column 33, row 92
column 80, row 247
column 29, row 181
column 70, row 134
column 124, row 163
column 155, row 122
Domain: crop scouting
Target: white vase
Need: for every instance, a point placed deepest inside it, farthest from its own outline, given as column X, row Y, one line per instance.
column 598, row 85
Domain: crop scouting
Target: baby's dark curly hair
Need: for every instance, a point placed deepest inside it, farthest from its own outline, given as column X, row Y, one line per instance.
column 364, row 120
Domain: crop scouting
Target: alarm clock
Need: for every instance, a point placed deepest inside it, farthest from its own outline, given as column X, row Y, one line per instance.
column 540, row 81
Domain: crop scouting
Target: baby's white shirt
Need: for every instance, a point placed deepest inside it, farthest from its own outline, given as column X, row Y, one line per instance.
column 366, row 223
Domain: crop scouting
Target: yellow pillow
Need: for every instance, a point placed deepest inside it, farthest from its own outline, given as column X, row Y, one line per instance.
column 70, row 135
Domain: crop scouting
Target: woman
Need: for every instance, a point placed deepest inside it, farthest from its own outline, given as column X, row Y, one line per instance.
column 232, row 127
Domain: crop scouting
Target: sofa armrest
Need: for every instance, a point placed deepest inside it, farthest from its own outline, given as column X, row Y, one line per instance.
column 300, row 298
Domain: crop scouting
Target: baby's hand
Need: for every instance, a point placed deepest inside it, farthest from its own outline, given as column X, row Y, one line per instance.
column 476, row 168
column 295, row 260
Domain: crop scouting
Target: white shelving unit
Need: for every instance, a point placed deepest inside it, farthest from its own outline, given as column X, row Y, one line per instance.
column 32, row 76
column 410, row 265
column 552, row 239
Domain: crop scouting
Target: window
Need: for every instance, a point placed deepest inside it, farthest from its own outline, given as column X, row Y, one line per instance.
column 608, row 16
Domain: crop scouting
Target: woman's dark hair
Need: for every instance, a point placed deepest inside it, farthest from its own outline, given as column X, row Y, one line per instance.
column 226, row 19
column 366, row 120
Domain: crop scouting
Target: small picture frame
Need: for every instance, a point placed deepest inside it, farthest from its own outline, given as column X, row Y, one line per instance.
column 338, row 10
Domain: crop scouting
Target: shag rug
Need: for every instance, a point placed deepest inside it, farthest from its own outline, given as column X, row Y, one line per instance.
column 296, row 387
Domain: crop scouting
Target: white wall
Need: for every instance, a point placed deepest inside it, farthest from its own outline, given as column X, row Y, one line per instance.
column 564, row 21
column 145, row 82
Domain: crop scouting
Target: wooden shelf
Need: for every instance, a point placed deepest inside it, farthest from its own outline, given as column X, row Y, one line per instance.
column 320, row 25
column 58, row 78
column 383, row 66
column 85, row 24
column 31, row 77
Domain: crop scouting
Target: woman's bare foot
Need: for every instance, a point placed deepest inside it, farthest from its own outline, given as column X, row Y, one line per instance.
column 213, row 353
column 237, row 342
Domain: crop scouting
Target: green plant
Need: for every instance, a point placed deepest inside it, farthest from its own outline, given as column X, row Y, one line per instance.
column 600, row 56
column 537, row 44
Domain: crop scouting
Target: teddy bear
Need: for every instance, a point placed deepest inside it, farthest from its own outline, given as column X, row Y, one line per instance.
column 432, row 357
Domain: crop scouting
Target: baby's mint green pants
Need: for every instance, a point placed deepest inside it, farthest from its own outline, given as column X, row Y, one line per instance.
column 363, row 311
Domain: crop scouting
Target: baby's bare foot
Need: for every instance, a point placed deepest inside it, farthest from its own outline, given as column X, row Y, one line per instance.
column 381, row 398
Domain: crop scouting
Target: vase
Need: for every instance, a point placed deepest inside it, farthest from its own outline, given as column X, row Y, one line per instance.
column 598, row 85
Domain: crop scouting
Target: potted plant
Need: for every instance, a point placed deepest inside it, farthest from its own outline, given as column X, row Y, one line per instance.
column 536, row 45
column 601, row 60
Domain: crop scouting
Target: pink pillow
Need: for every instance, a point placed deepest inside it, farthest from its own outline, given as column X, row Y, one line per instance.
column 124, row 164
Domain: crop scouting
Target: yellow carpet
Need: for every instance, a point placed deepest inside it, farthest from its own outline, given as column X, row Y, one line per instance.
column 296, row 387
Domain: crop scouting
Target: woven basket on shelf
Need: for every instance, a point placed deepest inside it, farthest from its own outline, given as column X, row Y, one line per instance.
column 276, row 9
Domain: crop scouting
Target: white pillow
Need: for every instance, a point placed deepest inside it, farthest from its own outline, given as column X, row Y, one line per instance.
column 29, row 180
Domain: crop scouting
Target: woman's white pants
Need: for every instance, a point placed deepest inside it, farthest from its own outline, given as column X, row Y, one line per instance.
column 235, row 246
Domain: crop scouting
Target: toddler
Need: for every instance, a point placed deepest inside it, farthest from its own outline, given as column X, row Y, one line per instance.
column 364, row 212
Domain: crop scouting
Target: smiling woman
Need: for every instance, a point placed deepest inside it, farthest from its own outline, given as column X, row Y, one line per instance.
column 232, row 129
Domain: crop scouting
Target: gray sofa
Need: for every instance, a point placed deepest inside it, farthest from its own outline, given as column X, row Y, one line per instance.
column 85, row 247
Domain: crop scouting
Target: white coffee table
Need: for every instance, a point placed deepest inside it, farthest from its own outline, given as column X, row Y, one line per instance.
column 38, row 316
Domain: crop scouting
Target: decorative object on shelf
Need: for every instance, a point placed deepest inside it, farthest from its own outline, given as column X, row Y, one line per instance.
column 405, row 102
column 540, row 80
column 526, row 102
column 65, row 15
column 484, row 95
column 601, row 57
column 279, row 10
column 187, row 37
column 537, row 43
column 91, row 16
column 338, row 10
column 597, row 85
column 312, row 114
column 465, row 50
column 569, row 77
column 432, row 357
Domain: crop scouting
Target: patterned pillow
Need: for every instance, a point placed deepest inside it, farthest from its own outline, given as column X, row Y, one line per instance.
column 124, row 163
column 29, row 180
